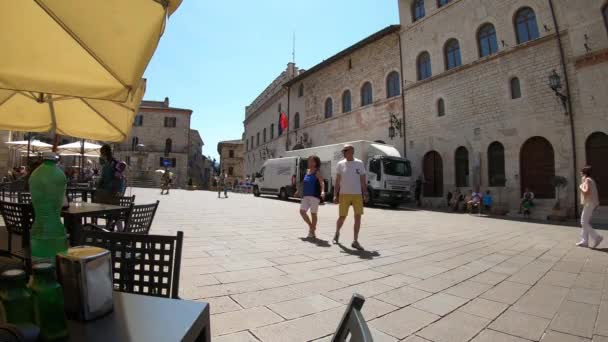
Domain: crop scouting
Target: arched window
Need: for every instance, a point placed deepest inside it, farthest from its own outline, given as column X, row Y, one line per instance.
column 168, row 145
column 496, row 164
column 417, row 10
column 537, row 167
column 526, row 27
column 461, row 166
column 423, row 65
column 440, row 107
column 367, row 96
column 432, row 167
column 452, row 54
column 329, row 108
column 134, row 143
column 271, row 131
column 596, row 148
column 301, row 90
column 346, row 102
column 486, row 38
column 257, row 139
column 296, row 121
column 393, row 85
column 515, row 88
column 441, row 3
column 264, row 135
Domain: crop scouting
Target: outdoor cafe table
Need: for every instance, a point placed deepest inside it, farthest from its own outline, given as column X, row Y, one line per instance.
column 74, row 214
column 146, row 318
column 85, row 193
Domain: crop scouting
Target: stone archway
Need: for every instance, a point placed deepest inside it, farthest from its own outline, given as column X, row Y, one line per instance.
column 596, row 150
column 432, row 167
column 537, row 167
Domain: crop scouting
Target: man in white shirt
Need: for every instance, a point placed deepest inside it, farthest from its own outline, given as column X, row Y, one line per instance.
column 350, row 189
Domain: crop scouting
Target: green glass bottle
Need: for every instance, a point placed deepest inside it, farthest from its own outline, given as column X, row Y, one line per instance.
column 16, row 298
column 47, row 185
column 49, row 310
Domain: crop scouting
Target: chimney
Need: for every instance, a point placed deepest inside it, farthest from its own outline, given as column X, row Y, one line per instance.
column 291, row 69
column 166, row 103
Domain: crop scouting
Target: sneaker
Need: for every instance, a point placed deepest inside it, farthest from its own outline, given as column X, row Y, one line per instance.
column 357, row 246
column 582, row 244
column 598, row 241
column 336, row 239
column 311, row 236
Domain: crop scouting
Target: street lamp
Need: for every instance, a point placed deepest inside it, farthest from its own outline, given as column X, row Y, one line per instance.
column 555, row 83
column 395, row 126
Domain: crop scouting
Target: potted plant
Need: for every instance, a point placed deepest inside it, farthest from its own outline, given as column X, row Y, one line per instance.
column 559, row 213
column 500, row 208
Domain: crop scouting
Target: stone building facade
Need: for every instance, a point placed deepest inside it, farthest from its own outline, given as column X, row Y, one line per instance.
column 344, row 98
column 231, row 159
column 160, row 137
column 479, row 108
column 196, row 162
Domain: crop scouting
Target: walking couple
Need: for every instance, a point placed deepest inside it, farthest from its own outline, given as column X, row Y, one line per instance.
column 350, row 189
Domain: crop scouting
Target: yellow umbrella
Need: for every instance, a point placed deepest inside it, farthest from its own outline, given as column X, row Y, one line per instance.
column 92, row 49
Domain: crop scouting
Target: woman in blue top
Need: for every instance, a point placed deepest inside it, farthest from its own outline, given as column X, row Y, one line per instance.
column 313, row 190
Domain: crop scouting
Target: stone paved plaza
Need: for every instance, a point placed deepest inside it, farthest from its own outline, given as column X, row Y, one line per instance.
column 427, row 276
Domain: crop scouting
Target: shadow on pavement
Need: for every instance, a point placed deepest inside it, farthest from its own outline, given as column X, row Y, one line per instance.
column 317, row 241
column 361, row 254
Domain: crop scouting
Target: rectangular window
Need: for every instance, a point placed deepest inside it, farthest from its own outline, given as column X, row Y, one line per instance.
column 170, row 121
column 231, row 154
column 252, row 142
column 139, row 121
column 230, row 171
column 271, row 131
column 258, row 139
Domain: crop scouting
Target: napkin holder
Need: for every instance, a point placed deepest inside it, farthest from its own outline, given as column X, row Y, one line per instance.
column 85, row 274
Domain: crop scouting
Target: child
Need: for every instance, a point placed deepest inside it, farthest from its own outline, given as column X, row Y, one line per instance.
column 312, row 193
column 487, row 201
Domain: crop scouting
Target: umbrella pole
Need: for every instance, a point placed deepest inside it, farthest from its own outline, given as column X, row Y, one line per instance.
column 80, row 173
column 29, row 142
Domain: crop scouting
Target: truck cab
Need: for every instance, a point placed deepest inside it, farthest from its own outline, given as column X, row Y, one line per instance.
column 388, row 180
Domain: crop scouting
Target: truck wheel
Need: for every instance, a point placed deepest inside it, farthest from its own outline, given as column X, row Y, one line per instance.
column 395, row 205
column 256, row 191
column 370, row 201
column 283, row 194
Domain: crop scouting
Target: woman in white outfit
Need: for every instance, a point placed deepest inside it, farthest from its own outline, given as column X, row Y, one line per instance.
column 590, row 201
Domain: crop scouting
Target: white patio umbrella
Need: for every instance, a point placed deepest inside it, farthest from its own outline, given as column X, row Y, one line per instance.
column 30, row 146
column 79, row 147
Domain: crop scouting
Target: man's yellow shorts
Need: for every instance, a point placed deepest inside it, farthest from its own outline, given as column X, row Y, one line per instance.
column 347, row 200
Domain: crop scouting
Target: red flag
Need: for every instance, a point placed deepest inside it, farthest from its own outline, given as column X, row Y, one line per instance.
column 283, row 121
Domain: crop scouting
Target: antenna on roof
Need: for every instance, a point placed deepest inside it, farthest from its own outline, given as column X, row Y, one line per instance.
column 293, row 51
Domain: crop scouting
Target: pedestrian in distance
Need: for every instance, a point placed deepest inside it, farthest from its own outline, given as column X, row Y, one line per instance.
column 222, row 184
column 313, row 190
column 350, row 190
column 487, row 201
column 418, row 191
column 165, row 182
column 590, row 202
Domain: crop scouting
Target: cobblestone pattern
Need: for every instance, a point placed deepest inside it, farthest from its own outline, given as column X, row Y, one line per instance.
column 427, row 276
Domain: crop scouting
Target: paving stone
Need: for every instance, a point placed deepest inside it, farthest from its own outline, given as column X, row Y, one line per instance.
column 554, row 336
column 583, row 295
column 575, row 319
column 243, row 336
column 291, row 259
column 590, row 280
column 230, row 322
column 531, row 273
column 484, row 308
column 489, row 277
column 598, row 338
column 557, row 278
column 303, row 306
column 506, row 292
column 368, row 289
column 403, row 296
column 436, row 284
column 374, row 308
column 468, row 289
column 318, row 286
column 415, row 338
column 440, row 304
column 569, row 266
column 359, row 277
column 221, row 304
column 242, row 275
column 425, row 271
column 398, row 280
column 541, row 300
column 601, row 326
column 379, row 336
column 403, row 322
column 269, row 296
column 520, row 324
column 302, row 329
column 489, row 335
column 456, row 327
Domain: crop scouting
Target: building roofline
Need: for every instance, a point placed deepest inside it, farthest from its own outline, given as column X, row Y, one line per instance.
column 228, row 142
column 374, row 37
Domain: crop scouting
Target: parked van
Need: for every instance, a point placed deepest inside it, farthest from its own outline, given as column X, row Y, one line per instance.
column 388, row 174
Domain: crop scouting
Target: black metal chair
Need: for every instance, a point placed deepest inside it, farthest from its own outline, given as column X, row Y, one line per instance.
column 25, row 198
column 136, row 219
column 352, row 326
column 126, row 201
column 142, row 264
column 18, row 219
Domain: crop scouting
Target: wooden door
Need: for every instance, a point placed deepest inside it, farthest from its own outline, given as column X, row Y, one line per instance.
column 537, row 167
column 433, row 175
column 596, row 149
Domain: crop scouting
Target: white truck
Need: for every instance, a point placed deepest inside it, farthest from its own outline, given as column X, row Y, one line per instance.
column 388, row 174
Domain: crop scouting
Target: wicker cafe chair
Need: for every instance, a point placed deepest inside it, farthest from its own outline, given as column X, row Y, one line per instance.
column 18, row 219
column 352, row 326
column 142, row 264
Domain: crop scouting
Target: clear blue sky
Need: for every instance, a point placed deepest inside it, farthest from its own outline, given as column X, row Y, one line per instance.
column 215, row 57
